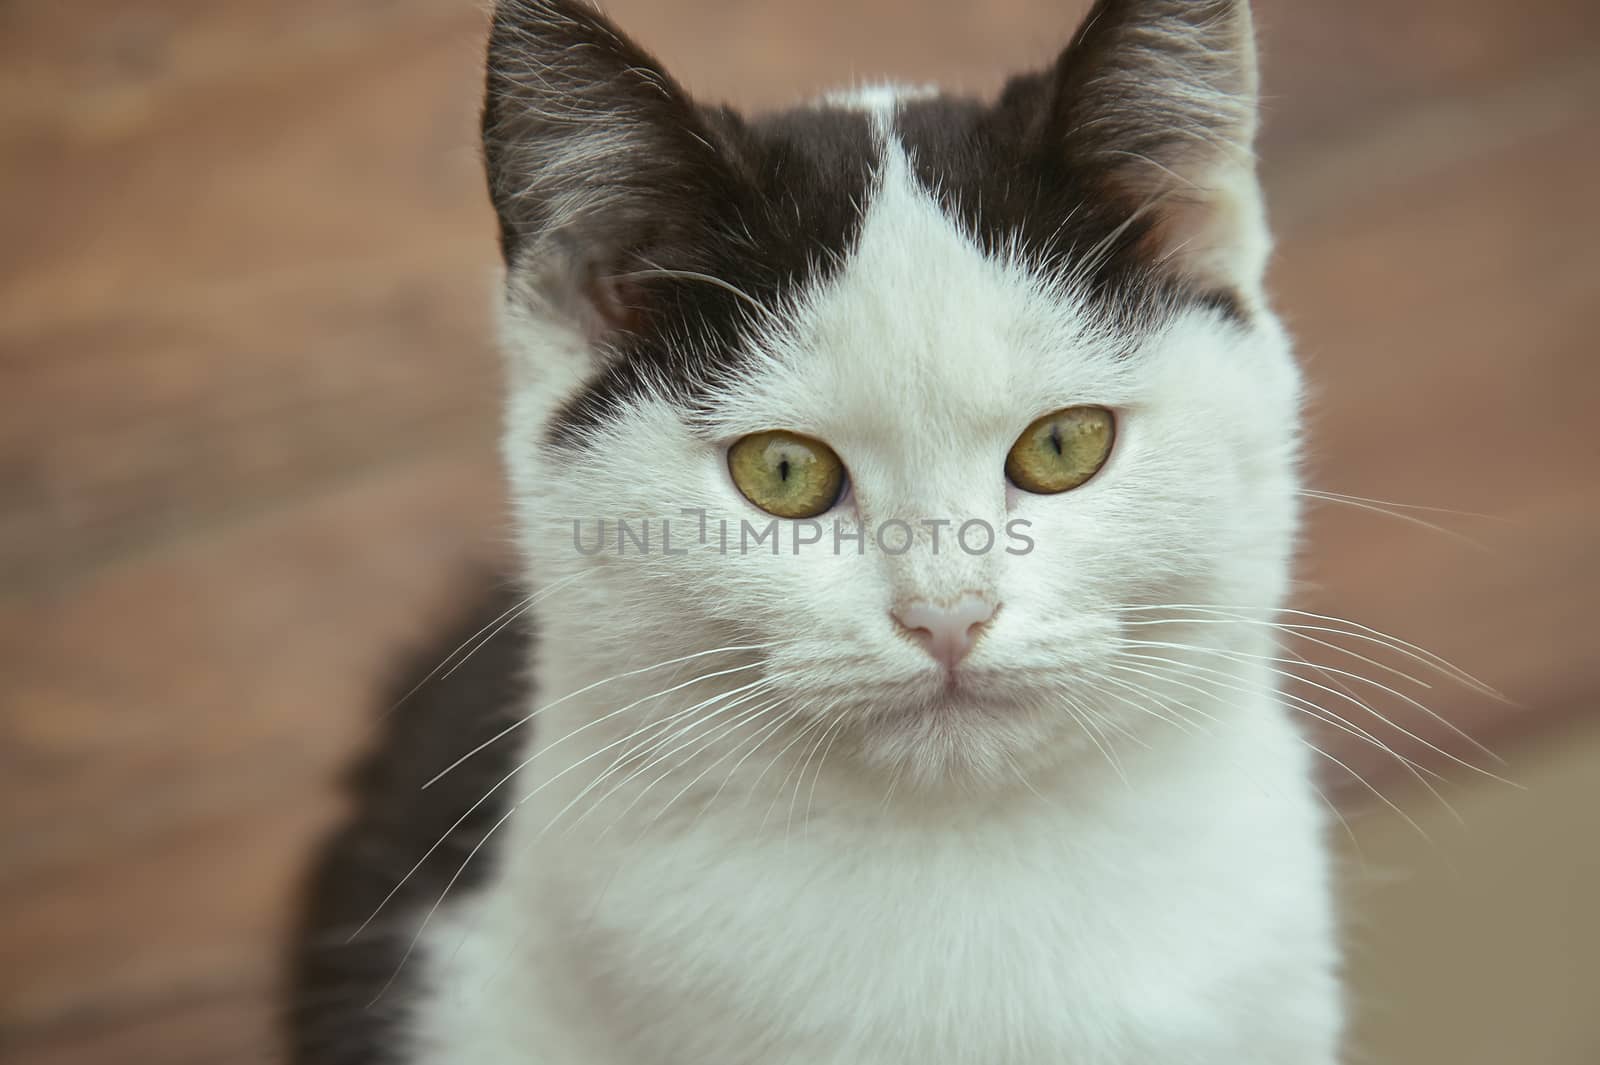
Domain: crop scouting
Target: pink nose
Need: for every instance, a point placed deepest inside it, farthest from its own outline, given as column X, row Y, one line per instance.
column 946, row 632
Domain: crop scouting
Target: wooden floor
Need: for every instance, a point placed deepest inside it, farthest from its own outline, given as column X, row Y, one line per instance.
column 248, row 410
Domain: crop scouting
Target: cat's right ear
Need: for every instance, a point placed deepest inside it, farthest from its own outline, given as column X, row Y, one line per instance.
column 1156, row 101
column 599, row 164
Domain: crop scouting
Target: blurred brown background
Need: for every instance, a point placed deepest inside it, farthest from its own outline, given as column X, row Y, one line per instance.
column 247, row 414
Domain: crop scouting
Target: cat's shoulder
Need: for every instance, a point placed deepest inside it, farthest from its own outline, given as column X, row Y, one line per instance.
column 452, row 694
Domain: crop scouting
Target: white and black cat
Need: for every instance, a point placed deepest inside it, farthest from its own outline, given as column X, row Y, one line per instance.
column 904, row 484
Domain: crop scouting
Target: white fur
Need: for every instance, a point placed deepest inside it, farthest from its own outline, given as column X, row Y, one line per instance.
column 878, row 98
column 909, row 881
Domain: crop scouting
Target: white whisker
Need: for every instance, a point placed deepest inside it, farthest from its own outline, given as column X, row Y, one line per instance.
column 1272, row 660
column 503, row 733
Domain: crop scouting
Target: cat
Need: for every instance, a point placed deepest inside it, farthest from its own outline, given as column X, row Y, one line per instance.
column 903, row 485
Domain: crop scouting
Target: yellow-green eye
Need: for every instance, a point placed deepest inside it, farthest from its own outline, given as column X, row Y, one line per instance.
column 1062, row 450
column 787, row 474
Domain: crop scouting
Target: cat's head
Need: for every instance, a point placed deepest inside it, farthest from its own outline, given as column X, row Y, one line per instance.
column 1031, row 330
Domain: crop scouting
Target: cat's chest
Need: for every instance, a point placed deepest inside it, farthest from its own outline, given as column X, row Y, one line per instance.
column 881, row 964
column 1137, row 930
column 969, row 953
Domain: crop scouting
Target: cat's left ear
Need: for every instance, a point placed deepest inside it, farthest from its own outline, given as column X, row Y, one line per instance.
column 1159, row 100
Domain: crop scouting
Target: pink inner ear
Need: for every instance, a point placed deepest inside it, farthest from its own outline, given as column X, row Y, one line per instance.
column 616, row 305
column 1213, row 231
column 1204, row 216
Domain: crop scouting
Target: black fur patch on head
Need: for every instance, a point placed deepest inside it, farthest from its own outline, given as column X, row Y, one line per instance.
column 668, row 231
column 791, row 219
column 349, row 997
column 660, row 227
column 1099, row 168
column 1008, row 190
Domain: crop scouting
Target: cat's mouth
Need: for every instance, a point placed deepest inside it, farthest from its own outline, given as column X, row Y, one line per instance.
column 962, row 685
column 951, row 693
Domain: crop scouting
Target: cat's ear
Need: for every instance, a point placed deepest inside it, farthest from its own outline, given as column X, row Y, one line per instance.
column 599, row 164
column 1160, row 97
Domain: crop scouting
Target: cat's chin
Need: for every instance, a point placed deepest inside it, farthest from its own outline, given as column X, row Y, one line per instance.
column 963, row 731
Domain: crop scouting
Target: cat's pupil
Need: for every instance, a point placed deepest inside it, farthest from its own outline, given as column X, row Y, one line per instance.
column 1055, row 438
column 783, row 469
